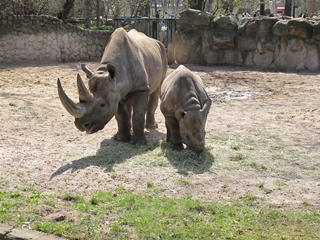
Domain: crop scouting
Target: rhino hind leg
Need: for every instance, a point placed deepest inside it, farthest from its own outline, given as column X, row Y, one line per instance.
column 152, row 106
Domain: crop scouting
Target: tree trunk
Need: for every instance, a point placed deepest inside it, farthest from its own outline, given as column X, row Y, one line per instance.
column 197, row 4
column 261, row 7
column 209, row 6
column 177, row 9
column 66, row 10
column 288, row 6
column 87, row 14
column 98, row 13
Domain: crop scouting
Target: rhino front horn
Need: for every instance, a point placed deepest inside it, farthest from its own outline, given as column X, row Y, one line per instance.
column 72, row 108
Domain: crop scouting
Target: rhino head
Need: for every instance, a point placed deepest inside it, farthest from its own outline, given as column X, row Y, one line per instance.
column 192, row 126
column 95, row 108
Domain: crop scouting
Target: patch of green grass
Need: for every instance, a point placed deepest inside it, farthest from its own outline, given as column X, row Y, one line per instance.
column 305, row 204
column 184, row 181
column 261, row 185
column 122, row 213
column 246, row 153
column 240, row 153
column 280, row 184
column 250, row 200
column 71, row 197
column 57, row 228
column 237, row 157
column 102, row 27
column 17, row 105
column 94, row 201
column 150, row 184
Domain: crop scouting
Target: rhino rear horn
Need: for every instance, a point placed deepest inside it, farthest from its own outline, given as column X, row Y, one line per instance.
column 179, row 114
column 72, row 108
column 86, row 70
column 206, row 106
column 84, row 95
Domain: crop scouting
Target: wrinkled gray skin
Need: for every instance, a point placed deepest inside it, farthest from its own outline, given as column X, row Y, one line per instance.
column 125, row 85
column 185, row 106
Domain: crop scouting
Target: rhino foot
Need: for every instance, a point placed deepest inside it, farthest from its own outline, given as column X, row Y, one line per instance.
column 122, row 137
column 177, row 147
column 152, row 125
column 139, row 140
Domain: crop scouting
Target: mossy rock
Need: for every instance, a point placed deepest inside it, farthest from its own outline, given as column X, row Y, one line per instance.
column 280, row 28
column 316, row 31
column 194, row 17
column 226, row 22
column 300, row 28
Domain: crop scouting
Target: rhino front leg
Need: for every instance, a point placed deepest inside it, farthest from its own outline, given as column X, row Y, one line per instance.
column 124, row 125
column 173, row 133
column 152, row 106
column 139, row 102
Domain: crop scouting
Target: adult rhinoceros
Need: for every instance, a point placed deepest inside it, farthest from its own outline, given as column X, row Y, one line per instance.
column 127, row 80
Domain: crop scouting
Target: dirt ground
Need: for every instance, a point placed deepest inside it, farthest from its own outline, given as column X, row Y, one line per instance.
column 40, row 147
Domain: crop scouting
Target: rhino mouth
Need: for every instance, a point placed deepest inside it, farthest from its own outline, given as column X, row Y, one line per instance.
column 89, row 131
column 199, row 147
column 92, row 128
column 89, row 127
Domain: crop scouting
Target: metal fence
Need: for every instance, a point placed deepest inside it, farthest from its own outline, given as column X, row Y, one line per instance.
column 162, row 29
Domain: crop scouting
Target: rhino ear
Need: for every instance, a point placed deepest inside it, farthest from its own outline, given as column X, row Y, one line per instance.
column 179, row 114
column 206, row 106
column 112, row 71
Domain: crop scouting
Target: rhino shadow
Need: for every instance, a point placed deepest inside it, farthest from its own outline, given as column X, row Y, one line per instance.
column 187, row 160
column 112, row 152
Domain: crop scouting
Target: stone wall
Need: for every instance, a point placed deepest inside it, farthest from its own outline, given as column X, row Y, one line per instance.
column 200, row 38
column 259, row 42
column 45, row 38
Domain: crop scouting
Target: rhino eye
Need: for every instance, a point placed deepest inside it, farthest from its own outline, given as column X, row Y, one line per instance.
column 102, row 104
column 188, row 136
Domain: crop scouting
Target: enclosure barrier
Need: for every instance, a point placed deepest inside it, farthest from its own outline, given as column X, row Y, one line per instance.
column 152, row 27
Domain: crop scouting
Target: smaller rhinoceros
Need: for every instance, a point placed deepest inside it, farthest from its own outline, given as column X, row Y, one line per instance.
column 185, row 105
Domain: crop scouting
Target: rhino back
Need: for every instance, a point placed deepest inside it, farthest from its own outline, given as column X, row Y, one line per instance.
column 182, row 89
column 141, row 61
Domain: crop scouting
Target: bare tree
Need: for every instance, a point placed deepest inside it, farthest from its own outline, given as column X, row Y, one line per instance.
column 226, row 6
column 134, row 8
column 137, row 7
column 209, row 6
column 177, row 5
column 63, row 14
column 24, row 7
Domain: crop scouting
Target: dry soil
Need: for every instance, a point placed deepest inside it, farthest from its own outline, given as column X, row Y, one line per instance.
column 40, row 147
